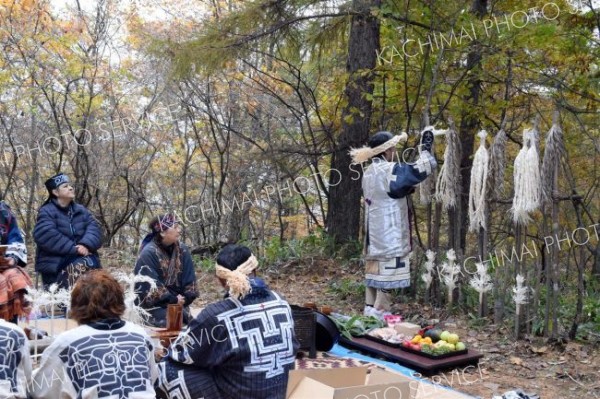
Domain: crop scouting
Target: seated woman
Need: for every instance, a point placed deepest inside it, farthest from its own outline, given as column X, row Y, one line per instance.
column 105, row 357
column 14, row 280
column 66, row 234
column 15, row 363
column 241, row 347
column 169, row 263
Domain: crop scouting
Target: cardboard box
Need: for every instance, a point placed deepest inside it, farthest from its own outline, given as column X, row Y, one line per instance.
column 408, row 329
column 349, row 383
column 356, row 383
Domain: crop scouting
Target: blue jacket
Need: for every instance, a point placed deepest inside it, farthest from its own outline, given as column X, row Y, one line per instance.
column 57, row 231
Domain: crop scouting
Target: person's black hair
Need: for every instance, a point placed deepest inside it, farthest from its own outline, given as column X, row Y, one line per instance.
column 379, row 138
column 233, row 255
column 152, row 222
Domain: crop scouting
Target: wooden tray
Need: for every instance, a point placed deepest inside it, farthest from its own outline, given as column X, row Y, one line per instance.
column 431, row 356
column 419, row 363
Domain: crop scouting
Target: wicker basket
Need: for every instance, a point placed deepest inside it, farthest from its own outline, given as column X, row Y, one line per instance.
column 305, row 327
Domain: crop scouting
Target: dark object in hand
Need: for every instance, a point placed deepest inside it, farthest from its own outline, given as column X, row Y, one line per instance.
column 427, row 141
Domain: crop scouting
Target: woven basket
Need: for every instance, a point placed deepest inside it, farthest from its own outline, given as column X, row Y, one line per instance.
column 305, row 327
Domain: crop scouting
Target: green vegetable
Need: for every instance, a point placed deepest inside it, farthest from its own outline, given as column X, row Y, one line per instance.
column 356, row 326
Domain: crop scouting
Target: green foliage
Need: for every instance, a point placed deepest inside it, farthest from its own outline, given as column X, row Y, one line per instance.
column 590, row 328
column 316, row 244
column 475, row 322
column 357, row 326
column 347, row 288
column 276, row 251
column 207, row 265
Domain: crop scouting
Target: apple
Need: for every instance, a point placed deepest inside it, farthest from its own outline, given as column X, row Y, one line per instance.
column 452, row 338
column 460, row 346
column 444, row 335
column 416, row 347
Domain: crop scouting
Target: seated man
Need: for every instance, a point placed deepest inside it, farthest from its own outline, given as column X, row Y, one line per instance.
column 105, row 357
column 15, row 363
column 240, row 347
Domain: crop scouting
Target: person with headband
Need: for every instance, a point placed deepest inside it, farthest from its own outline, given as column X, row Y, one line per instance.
column 240, row 347
column 387, row 184
column 66, row 235
column 169, row 263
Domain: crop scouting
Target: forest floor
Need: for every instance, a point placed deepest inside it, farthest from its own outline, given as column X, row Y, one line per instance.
column 553, row 371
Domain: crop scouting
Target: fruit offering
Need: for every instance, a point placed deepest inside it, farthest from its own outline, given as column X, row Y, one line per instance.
column 435, row 342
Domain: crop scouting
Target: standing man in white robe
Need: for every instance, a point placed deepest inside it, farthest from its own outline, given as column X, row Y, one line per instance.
column 386, row 185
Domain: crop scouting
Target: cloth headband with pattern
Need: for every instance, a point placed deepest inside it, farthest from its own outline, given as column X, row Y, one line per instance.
column 164, row 222
column 56, row 181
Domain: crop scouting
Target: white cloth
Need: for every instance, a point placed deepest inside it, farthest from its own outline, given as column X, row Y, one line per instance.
column 90, row 363
column 15, row 363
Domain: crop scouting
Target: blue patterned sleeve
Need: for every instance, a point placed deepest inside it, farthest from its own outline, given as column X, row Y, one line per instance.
column 188, row 278
column 148, row 265
column 204, row 343
column 406, row 176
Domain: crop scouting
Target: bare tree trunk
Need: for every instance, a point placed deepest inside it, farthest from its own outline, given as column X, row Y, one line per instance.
column 343, row 217
column 580, row 291
column 596, row 267
column 553, row 274
column 469, row 119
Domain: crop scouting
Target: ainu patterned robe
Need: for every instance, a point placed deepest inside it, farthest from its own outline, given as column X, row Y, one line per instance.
column 173, row 271
column 111, row 359
column 386, row 186
column 233, row 349
column 15, row 364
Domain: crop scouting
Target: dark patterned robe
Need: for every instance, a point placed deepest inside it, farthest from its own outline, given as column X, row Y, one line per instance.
column 233, row 349
column 173, row 271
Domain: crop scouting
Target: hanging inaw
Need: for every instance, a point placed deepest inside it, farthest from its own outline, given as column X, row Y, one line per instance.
column 527, row 179
column 447, row 188
column 498, row 163
column 554, row 153
column 477, row 191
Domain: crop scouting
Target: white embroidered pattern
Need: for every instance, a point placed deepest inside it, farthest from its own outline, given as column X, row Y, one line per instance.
column 268, row 330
